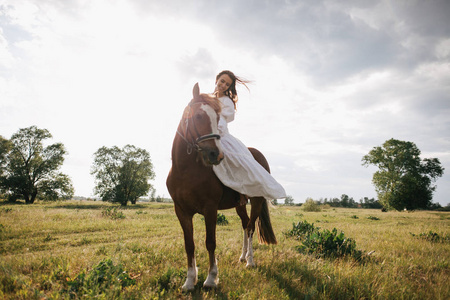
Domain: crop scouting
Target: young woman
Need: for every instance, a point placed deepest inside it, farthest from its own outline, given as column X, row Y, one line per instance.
column 239, row 170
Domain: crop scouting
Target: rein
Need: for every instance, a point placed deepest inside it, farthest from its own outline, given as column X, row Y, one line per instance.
column 194, row 144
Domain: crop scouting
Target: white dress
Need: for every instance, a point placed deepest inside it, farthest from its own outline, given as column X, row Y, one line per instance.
column 239, row 170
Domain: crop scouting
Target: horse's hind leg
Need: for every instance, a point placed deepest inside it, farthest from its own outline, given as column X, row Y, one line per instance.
column 254, row 214
column 242, row 212
column 188, row 231
column 213, row 274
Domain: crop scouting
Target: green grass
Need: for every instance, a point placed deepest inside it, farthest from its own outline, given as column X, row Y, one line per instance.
column 74, row 250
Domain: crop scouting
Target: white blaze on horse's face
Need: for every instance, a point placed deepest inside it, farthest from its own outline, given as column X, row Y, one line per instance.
column 214, row 123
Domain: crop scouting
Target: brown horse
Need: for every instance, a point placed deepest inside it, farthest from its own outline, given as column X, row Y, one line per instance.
column 195, row 188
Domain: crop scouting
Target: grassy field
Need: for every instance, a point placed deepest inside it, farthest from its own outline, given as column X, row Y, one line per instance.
column 86, row 250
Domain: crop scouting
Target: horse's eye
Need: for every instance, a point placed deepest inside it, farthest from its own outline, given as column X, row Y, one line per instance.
column 198, row 117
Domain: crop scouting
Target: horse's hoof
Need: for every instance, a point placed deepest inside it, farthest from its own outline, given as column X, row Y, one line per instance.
column 209, row 285
column 250, row 265
column 187, row 288
column 242, row 259
column 189, row 285
column 211, row 281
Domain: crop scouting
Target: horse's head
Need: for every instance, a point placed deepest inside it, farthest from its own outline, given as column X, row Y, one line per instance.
column 200, row 125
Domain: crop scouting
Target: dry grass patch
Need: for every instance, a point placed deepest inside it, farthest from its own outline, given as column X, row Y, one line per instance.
column 46, row 246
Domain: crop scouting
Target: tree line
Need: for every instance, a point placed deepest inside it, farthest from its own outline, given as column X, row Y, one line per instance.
column 29, row 171
column 344, row 201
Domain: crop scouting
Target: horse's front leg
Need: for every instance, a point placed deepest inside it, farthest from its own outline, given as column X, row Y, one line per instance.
column 213, row 274
column 188, row 231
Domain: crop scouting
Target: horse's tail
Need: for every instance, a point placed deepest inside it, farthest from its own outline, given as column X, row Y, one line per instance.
column 264, row 226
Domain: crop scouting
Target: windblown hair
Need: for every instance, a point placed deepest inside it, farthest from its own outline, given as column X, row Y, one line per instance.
column 231, row 92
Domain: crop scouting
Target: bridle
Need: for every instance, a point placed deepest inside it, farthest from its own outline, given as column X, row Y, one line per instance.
column 194, row 143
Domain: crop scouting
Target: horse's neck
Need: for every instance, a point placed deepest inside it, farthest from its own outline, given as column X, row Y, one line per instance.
column 182, row 159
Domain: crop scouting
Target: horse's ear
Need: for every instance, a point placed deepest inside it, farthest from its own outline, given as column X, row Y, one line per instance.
column 196, row 91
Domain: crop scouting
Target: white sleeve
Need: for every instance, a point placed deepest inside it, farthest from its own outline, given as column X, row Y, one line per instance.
column 226, row 115
column 227, row 111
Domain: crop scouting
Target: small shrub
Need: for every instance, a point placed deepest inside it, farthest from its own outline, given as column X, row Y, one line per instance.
column 354, row 217
column 373, row 218
column 6, row 209
column 432, row 237
column 222, row 220
column 311, row 206
column 301, row 229
column 104, row 279
column 324, row 243
column 328, row 243
column 113, row 213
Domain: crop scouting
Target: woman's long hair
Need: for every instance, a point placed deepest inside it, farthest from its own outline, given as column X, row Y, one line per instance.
column 231, row 92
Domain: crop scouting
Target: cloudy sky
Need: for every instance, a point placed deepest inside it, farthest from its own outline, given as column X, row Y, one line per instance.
column 330, row 81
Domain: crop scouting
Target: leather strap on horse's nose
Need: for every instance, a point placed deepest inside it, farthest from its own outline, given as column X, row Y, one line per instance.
column 207, row 137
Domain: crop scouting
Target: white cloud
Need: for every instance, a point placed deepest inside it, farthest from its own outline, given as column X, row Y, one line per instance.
column 442, row 50
column 6, row 58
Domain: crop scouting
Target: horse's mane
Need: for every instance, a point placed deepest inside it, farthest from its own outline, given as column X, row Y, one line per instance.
column 211, row 100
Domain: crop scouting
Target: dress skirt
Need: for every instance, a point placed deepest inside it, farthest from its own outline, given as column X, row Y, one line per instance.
column 242, row 173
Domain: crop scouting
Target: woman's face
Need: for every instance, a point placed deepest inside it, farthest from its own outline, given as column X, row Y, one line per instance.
column 223, row 84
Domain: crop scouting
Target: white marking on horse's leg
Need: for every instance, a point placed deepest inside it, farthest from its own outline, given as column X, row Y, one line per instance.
column 244, row 247
column 213, row 277
column 191, row 279
column 250, row 262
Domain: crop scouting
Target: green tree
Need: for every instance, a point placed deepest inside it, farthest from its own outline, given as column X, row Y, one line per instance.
column 5, row 147
column 31, row 169
column 347, row 201
column 403, row 179
column 370, row 203
column 288, row 200
column 60, row 187
column 122, row 175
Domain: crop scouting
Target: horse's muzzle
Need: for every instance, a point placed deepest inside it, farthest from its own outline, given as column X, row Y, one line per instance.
column 212, row 156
